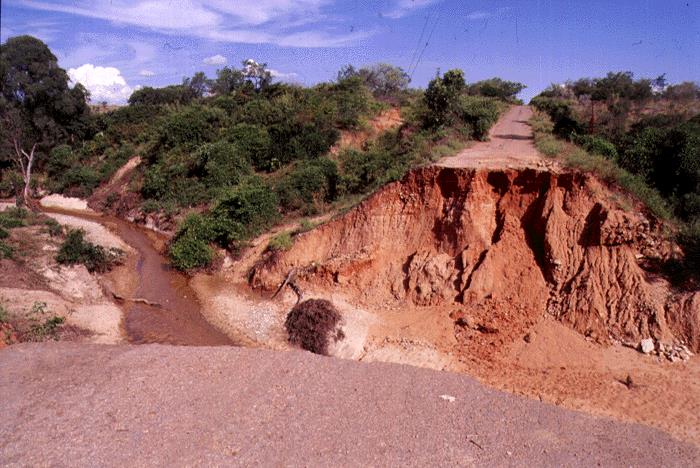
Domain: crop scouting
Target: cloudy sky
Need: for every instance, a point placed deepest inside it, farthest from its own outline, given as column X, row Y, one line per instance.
column 114, row 46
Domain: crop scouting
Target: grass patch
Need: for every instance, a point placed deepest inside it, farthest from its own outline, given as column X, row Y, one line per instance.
column 305, row 225
column 280, row 242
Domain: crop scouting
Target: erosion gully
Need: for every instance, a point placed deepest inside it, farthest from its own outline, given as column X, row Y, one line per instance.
column 176, row 318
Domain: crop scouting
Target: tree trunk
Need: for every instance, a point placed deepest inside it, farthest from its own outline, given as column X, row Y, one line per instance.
column 26, row 170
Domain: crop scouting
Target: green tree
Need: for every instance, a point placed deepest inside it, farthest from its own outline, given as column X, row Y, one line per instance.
column 382, row 79
column 496, row 87
column 37, row 108
column 227, row 81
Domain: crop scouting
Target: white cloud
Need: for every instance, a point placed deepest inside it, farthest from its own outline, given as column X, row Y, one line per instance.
column 215, row 60
column 243, row 21
column 406, row 7
column 482, row 15
column 478, row 15
column 281, row 76
column 104, row 83
column 147, row 73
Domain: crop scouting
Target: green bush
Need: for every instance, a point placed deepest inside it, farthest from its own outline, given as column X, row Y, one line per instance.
column 6, row 251
column 113, row 160
column 596, row 145
column 253, row 142
column 81, row 180
column 188, row 128
column 479, row 113
column 13, row 217
column 364, row 171
column 3, row 233
column 612, row 173
column 309, row 184
column 60, row 160
column 187, row 253
column 76, row 250
column 53, row 227
column 224, row 163
column 243, row 212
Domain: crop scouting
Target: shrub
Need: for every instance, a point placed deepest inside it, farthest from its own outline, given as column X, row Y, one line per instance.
column 60, row 160
column 188, row 252
column 310, row 325
column 80, row 179
column 53, row 227
column 76, row 250
column 689, row 239
column 223, row 162
column 282, row 241
column 6, row 251
column 612, row 173
column 3, row 233
column 189, row 128
column 305, row 225
column 13, row 217
column 596, row 145
column 190, row 246
column 243, row 212
column 479, row 113
column 309, row 184
column 253, row 142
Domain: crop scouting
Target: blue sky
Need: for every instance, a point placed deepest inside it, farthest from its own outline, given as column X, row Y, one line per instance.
column 113, row 46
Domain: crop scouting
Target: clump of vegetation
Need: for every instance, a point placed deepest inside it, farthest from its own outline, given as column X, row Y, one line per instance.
column 76, row 250
column 6, row 251
column 312, row 324
column 304, row 226
column 13, row 217
column 190, row 246
column 280, row 242
column 53, row 227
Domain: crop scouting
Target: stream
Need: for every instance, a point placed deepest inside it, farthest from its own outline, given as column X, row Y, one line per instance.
column 177, row 317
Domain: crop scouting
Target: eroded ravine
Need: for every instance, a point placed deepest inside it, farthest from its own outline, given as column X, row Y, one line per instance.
column 167, row 310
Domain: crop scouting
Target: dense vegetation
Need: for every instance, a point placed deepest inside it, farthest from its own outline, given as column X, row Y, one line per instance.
column 233, row 154
column 645, row 132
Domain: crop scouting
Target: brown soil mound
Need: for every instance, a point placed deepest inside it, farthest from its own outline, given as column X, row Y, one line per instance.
column 502, row 246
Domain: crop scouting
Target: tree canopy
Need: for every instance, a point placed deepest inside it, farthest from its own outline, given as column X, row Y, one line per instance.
column 37, row 107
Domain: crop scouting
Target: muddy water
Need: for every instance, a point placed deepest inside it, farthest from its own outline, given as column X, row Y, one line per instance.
column 176, row 319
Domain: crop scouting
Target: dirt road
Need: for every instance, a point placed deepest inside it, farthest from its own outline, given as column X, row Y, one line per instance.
column 510, row 145
column 153, row 405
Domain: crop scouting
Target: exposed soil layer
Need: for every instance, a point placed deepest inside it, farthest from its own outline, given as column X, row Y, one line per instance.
column 521, row 278
column 165, row 405
column 503, row 246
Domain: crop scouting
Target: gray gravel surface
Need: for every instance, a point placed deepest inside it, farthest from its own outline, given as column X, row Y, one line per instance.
column 66, row 404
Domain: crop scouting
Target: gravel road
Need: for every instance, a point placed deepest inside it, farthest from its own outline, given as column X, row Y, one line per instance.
column 69, row 404
column 510, row 145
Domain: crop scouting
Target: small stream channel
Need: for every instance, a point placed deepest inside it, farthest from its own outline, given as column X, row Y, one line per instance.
column 177, row 318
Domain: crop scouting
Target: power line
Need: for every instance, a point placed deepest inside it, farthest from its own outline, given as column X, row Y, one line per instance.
column 427, row 42
column 420, row 38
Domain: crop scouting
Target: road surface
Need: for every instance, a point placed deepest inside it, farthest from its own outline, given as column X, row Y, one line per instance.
column 69, row 404
column 510, row 145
